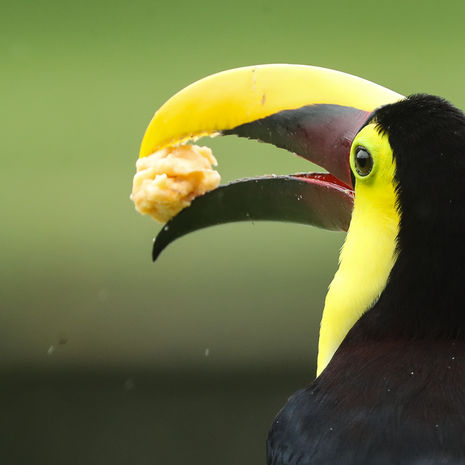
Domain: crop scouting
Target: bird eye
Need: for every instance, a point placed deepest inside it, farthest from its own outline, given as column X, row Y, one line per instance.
column 363, row 161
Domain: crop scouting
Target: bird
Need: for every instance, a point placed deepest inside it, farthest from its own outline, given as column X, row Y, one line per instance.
column 390, row 384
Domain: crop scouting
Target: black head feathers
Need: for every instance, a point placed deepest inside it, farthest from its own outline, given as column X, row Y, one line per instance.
column 424, row 294
column 427, row 136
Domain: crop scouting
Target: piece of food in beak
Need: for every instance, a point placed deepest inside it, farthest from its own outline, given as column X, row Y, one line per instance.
column 169, row 179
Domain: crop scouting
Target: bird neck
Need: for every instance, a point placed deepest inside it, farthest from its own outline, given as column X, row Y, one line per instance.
column 424, row 296
column 366, row 260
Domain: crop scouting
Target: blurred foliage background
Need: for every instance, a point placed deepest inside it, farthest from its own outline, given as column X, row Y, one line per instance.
column 104, row 356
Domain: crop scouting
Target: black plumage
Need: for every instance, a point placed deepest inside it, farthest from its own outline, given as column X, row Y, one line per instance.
column 394, row 392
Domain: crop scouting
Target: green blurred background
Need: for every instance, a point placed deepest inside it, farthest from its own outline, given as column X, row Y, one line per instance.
column 104, row 356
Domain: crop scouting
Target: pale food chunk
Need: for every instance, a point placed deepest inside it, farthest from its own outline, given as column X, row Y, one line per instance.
column 168, row 180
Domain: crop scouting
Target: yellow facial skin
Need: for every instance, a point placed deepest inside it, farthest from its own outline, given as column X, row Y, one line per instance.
column 369, row 251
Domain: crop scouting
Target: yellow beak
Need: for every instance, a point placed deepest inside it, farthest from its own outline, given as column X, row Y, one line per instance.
column 225, row 100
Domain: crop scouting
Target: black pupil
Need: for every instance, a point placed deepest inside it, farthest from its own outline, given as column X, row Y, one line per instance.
column 363, row 162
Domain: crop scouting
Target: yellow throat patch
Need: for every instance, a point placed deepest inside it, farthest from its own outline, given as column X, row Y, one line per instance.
column 369, row 251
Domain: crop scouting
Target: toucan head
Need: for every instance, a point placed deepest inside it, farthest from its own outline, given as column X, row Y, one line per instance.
column 325, row 116
column 310, row 111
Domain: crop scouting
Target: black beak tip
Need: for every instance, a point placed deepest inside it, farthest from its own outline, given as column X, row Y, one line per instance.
column 156, row 249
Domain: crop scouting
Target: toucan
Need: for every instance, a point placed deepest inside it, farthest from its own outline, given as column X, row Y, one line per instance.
column 390, row 385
